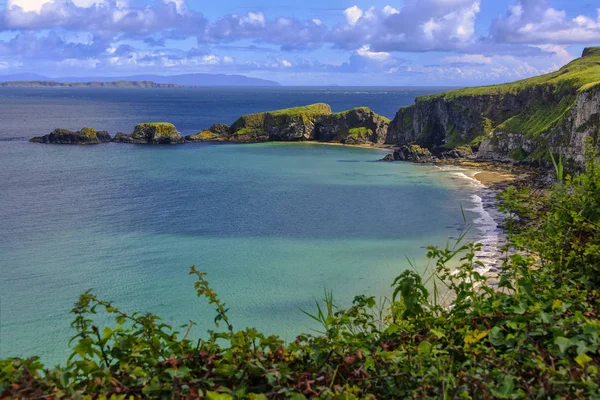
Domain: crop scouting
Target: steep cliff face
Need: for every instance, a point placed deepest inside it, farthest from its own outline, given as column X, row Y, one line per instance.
column 356, row 126
column 313, row 122
column 523, row 120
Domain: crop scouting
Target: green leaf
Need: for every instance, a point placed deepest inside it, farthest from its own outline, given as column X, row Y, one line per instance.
column 563, row 343
column 425, row 347
column 218, row 396
column 583, row 360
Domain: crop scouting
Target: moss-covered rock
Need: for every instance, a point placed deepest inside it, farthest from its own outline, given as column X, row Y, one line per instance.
column 413, row 153
column 152, row 133
column 356, row 126
column 64, row 136
column 217, row 132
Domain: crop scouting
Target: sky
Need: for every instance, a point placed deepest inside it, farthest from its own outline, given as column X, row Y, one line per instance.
column 299, row 42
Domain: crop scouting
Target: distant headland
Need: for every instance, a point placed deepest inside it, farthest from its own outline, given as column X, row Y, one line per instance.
column 134, row 81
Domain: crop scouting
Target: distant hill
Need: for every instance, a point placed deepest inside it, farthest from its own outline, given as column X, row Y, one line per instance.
column 182, row 80
column 113, row 84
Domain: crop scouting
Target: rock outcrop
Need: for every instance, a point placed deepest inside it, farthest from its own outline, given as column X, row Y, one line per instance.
column 356, row 126
column 152, row 133
column 413, row 153
column 521, row 121
column 64, row 136
column 313, row 122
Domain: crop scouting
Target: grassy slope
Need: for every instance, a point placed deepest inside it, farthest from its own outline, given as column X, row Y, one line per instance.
column 580, row 74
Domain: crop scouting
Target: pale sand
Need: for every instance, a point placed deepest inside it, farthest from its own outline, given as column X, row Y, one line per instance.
column 488, row 178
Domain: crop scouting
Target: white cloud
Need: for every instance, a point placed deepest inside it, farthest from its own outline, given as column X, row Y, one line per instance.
column 389, row 10
column 353, row 14
column 534, row 22
column 365, row 51
column 228, row 60
column 468, row 59
column 286, row 64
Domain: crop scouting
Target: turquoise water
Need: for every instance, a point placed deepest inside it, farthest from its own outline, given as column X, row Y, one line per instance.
column 272, row 224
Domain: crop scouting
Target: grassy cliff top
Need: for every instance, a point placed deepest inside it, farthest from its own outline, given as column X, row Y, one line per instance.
column 156, row 124
column 580, row 74
column 312, row 109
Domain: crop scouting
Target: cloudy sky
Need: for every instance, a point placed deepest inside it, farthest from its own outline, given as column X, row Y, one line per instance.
column 299, row 42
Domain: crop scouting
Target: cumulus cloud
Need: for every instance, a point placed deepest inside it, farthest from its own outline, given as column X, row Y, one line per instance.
column 420, row 25
column 107, row 18
column 288, row 33
column 534, row 21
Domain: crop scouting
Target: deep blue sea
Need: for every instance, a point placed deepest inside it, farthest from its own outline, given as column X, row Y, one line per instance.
column 273, row 224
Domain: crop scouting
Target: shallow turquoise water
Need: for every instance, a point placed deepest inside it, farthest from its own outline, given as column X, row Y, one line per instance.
column 272, row 224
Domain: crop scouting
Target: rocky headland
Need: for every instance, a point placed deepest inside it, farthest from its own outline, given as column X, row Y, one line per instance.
column 314, row 122
column 521, row 121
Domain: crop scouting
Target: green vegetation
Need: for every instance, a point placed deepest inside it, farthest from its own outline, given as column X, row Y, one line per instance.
column 310, row 110
column 88, row 132
column 519, row 154
column 158, row 128
column 538, row 117
column 359, row 132
column 447, row 334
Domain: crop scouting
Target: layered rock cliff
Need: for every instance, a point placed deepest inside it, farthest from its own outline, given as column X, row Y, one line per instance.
column 64, row 136
column 523, row 120
column 313, row 122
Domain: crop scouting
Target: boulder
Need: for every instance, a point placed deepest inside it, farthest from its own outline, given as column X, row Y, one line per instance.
column 413, row 153
column 152, row 133
column 458, row 152
column 388, row 157
column 64, row 136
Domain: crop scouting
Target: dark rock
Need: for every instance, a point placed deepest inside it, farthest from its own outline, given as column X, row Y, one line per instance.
column 413, row 153
column 64, row 136
column 458, row 152
column 356, row 126
column 388, row 157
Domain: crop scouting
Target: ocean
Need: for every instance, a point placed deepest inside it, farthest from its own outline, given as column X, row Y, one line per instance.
column 273, row 224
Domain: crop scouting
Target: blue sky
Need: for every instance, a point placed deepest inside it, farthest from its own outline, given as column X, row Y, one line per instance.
column 310, row 42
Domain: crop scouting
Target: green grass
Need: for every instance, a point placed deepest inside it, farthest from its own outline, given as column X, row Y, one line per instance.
column 538, row 117
column 358, row 132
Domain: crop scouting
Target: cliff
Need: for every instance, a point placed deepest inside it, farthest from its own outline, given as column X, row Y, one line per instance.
column 522, row 120
column 64, row 136
column 152, row 133
column 312, row 122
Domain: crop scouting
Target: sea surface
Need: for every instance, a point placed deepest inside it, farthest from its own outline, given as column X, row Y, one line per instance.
column 273, row 224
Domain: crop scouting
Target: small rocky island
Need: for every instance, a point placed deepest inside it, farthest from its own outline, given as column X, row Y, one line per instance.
column 146, row 133
column 64, row 136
